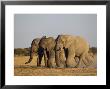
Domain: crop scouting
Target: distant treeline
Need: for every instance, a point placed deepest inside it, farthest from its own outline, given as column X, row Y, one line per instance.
column 93, row 50
column 21, row 51
column 26, row 51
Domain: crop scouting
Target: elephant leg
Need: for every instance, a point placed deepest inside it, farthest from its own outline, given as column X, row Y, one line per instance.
column 85, row 62
column 51, row 63
column 61, row 59
column 76, row 59
column 88, row 60
column 57, row 59
column 70, row 62
column 45, row 58
column 82, row 57
column 39, row 59
column 51, row 60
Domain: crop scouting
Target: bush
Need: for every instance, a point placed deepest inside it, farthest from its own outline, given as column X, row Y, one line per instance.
column 22, row 51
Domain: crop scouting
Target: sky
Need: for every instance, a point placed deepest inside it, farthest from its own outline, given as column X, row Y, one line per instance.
column 30, row 26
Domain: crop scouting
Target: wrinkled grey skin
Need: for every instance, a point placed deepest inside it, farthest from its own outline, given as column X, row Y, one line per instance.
column 45, row 48
column 60, row 57
column 76, row 47
column 34, row 46
column 48, row 44
column 40, row 52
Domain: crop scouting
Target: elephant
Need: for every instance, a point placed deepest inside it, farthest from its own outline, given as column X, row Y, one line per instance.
column 34, row 47
column 74, row 46
column 40, row 51
column 47, row 45
column 45, row 48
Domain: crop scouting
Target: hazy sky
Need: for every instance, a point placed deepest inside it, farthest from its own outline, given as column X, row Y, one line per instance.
column 30, row 26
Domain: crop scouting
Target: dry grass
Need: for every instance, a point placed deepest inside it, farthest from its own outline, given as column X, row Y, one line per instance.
column 22, row 69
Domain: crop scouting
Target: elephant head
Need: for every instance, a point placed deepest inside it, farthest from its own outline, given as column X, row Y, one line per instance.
column 34, row 48
column 60, row 52
column 70, row 46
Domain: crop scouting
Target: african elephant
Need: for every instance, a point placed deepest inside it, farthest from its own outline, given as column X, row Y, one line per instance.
column 47, row 45
column 34, row 47
column 45, row 48
column 75, row 46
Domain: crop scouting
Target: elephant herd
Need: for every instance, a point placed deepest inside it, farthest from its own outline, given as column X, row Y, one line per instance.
column 64, row 51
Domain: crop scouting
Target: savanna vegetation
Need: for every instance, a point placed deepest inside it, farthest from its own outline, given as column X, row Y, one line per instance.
column 20, row 69
column 64, row 56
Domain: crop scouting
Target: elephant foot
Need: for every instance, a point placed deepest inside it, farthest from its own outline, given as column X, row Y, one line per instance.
column 61, row 67
column 51, row 67
column 38, row 66
column 77, row 66
column 69, row 66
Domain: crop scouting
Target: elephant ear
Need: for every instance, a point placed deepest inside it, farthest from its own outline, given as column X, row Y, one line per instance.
column 36, row 41
column 33, row 42
column 49, row 43
column 42, row 40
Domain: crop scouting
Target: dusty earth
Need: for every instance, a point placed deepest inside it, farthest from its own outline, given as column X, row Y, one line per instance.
column 22, row 69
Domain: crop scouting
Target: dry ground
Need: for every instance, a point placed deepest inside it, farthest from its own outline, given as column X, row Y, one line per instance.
column 22, row 69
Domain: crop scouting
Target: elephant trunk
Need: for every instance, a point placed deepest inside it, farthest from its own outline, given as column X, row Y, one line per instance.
column 57, row 58
column 31, row 54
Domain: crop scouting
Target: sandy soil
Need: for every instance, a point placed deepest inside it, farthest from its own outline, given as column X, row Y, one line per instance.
column 22, row 69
